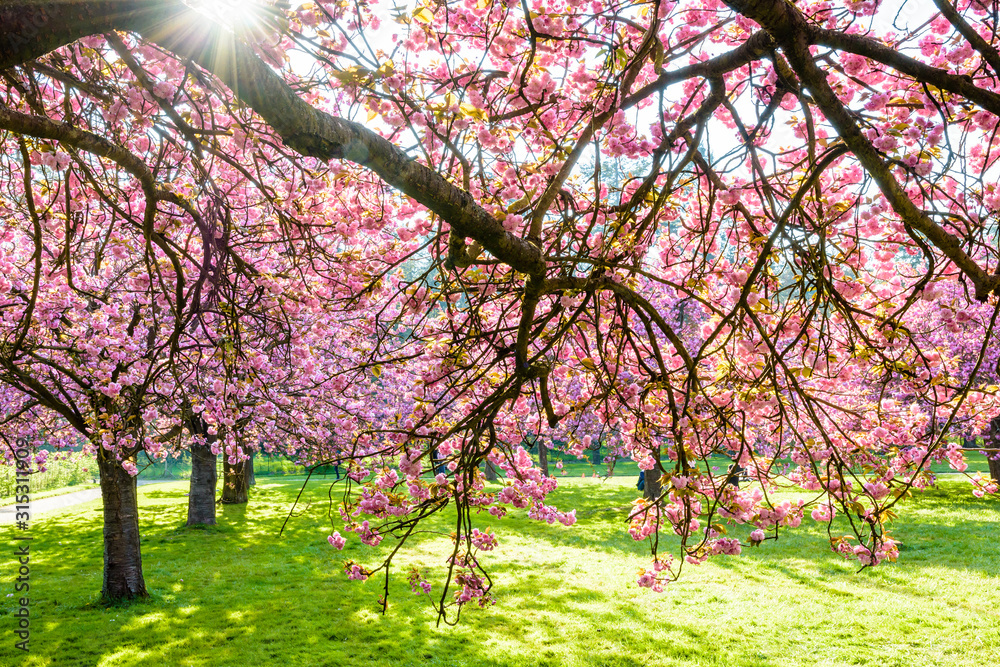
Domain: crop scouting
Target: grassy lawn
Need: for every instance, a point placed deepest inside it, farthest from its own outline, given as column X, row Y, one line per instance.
column 238, row 595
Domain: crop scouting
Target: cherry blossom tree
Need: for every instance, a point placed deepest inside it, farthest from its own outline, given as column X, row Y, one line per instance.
column 131, row 312
column 126, row 337
column 962, row 334
column 698, row 228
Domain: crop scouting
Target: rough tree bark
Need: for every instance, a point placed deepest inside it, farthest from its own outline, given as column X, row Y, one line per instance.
column 204, row 476
column 236, row 481
column 543, row 458
column 123, row 578
column 204, row 479
column 652, row 486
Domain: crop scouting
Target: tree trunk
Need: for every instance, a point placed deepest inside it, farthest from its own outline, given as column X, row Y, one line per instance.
column 204, row 479
column 993, row 443
column 251, row 477
column 491, row 472
column 652, row 488
column 543, row 458
column 437, row 463
column 994, row 467
column 122, row 557
column 236, row 478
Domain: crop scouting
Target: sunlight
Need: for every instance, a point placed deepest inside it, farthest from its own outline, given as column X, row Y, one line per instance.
column 237, row 14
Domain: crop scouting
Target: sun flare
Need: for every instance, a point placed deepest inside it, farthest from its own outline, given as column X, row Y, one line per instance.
column 238, row 14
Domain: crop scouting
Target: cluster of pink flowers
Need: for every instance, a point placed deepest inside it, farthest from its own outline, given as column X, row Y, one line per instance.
column 550, row 514
column 484, row 541
column 473, row 587
column 418, row 582
column 726, row 546
column 887, row 550
column 982, row 485
column 644, row 520
column 368, row 534
column 336, row 540
column 657, row 576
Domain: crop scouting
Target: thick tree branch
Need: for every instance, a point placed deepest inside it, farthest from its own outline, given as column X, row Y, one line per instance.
column 45, row 128
column 870, row 48
column 309, row 131
column 791, row 30
column 30, row 29
column 758, row 44
column 984, row 48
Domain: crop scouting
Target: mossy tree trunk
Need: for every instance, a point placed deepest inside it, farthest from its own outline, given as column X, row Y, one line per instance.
column 123, row 578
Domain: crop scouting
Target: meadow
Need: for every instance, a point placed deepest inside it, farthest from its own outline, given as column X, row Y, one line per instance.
column 237, row 594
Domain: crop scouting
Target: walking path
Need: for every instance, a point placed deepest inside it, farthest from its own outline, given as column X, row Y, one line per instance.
column 8, row 512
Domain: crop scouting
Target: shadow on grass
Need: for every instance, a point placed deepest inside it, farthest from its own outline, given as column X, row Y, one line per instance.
column 236, row 594
column 287, row 604
column 943, row 526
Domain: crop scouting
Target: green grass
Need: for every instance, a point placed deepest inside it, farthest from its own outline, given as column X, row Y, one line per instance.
column 238, row 595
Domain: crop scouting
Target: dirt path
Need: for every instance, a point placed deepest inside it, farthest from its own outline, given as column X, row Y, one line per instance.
column 58, row 502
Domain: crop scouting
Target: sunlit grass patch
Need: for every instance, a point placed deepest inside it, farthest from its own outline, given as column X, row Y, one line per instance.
column 236, row 594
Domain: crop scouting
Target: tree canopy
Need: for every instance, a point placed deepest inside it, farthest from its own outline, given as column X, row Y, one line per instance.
column 405, row 237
